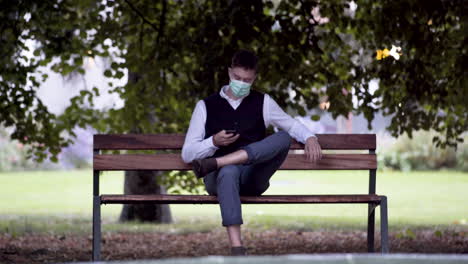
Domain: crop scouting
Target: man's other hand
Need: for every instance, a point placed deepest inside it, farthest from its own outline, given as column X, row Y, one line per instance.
column 223, row 139
column 313, row 150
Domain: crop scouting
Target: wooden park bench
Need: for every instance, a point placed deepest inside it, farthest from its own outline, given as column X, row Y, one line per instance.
column 173, row 161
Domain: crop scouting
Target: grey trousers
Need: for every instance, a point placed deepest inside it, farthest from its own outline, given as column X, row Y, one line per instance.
column 251, row 179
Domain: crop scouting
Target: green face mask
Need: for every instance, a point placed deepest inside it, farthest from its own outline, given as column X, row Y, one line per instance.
column 239, row 88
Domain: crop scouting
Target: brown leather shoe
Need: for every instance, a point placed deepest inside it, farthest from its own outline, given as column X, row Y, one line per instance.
column 202, row 167
column 238, row 251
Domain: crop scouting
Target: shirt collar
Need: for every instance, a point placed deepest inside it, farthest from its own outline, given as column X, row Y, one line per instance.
column 223, row 94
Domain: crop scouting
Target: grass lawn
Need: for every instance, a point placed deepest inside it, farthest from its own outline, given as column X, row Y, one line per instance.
column 62, row 201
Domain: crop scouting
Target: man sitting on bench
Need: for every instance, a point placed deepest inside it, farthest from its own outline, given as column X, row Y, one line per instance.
column 227, row 145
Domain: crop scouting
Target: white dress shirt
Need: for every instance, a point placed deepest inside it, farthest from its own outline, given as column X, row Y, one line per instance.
column 197, row 147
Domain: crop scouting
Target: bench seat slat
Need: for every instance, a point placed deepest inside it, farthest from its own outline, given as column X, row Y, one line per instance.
column 175, row 162
column 264, row 199
column 176, row 141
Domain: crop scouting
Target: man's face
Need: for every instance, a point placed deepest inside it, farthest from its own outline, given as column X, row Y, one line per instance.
column 241, row 74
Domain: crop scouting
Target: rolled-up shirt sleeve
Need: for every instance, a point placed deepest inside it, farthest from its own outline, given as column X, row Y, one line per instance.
column 195, row 145
column 275, row 116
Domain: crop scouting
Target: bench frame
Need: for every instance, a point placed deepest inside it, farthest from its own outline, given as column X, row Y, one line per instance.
column 174, row 141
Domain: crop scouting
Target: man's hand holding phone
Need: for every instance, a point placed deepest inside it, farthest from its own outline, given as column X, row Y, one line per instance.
column 225, row 137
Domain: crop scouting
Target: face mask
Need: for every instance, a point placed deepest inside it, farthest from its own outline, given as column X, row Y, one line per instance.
column 239, row 88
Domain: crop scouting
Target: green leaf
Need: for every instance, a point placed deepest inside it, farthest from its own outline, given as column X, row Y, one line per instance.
column 118, row 75
column 315, row 117
column 96, row 91
column 108, row 73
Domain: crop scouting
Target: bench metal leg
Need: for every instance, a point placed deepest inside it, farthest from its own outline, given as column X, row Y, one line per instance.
column 371, row 210
column 384, row 225
column 370, row 228
column 96, row 228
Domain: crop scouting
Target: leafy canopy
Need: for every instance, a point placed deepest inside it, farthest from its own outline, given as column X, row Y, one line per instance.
column 177, row 52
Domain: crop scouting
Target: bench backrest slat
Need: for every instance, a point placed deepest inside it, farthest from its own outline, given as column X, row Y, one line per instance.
column 174, row 162
column 176, row 141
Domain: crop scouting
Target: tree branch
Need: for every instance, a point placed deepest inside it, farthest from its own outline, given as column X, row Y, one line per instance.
column 162, row 21
column 311, row 37
column 142, row 16
column 140, row 39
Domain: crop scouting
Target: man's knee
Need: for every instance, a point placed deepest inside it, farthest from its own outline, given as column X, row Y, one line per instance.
column 284, row 139
column 229, row 173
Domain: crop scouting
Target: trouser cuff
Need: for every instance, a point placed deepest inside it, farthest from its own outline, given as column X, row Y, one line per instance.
column 250, row 154
column 232, row 222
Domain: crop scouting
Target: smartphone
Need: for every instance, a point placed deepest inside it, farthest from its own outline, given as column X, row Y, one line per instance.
column 231, row 131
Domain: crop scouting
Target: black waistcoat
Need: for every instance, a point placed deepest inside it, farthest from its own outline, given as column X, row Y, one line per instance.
column 247, row 119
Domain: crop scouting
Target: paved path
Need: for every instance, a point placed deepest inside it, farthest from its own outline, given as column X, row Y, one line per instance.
column 313, row 259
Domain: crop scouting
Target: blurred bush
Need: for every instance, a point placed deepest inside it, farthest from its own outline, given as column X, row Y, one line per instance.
column 13, row 154
column 420, row 153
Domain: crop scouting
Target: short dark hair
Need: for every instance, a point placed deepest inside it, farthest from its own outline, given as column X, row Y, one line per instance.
column 245, row 59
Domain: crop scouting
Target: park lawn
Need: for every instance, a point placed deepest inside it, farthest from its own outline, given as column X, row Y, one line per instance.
column 62, row 201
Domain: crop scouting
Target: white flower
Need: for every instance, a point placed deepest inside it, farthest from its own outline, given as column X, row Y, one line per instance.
column 395, row 52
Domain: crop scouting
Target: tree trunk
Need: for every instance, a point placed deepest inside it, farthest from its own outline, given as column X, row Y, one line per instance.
column 144, row 182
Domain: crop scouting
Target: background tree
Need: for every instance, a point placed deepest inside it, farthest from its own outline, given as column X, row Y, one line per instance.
column 177, row 52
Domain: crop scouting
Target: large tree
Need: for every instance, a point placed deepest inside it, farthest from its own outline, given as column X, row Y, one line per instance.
column 177, row 52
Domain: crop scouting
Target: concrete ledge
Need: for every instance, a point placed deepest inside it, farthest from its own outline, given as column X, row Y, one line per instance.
column 311, row 259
